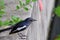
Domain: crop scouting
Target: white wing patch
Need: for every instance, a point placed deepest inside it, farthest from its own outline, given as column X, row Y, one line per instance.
column 21, row 27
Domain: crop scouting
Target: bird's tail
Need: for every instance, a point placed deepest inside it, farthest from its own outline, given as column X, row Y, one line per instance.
column 2, row 30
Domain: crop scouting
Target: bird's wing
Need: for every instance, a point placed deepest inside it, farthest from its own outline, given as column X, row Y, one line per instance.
column 14, row 27
column 19, row 29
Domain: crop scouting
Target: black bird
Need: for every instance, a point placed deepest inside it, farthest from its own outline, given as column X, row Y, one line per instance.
column 20, row 26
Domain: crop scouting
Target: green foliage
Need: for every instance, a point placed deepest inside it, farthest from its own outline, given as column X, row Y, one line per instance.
column 24, row 5
column 15, row 19
column 1, row 7
column 20, row 2
column 1, row 13
column 28, row 1
column 34, row 0
column 6, row 23
column 17, row 7
column 57, row 38
column 1, row 4
column 1, row 23
column 25, row 8
column 57, row 11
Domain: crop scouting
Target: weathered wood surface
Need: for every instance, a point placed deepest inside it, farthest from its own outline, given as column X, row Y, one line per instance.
column 46, row 15
column 37, row 30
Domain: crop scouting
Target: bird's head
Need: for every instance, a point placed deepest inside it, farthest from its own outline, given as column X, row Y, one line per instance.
column 30, row 19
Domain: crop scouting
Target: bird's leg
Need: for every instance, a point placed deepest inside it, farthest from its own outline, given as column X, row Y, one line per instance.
column 22, row 36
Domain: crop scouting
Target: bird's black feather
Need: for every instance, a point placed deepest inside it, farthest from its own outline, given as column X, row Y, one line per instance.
column 24, row 24
column 16, row 26
column 17, row 31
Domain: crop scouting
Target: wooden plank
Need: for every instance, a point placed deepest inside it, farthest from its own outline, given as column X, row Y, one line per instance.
column 37, row 30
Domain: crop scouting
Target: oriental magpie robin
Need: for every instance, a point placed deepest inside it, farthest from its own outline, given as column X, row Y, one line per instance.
column 20, row 26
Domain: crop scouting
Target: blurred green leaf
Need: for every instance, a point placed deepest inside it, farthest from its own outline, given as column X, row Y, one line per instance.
column 15, row 19
column 57, row 38
column 6, row 23
column 28, row 1
column 17, row 7
column 1, row 23
column 26, row 9
column 57, row 11
column 1, row 4
column 34, row 0
column 31, row 6
column 1, row 13
column 24, row 4
column 0, row 16
column 21, row 4
column 1, row 7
